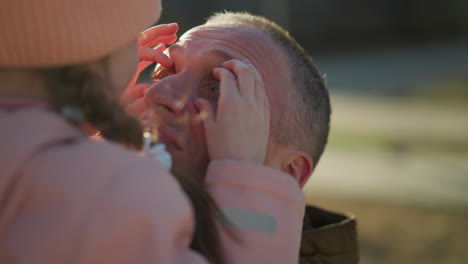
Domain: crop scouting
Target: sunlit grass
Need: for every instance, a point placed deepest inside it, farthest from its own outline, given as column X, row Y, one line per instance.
column 395, row 149
column 387, row 142
column 444, row 92
column 409, row 124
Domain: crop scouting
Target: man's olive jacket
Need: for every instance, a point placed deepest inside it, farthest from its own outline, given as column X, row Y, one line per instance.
column 328, row 238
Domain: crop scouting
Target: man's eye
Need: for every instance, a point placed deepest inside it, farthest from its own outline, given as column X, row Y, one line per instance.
column 160, row 75
column 210, row 90
column 163, row 75
column 212, row 87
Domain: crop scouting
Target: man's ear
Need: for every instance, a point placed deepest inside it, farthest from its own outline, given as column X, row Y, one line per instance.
column 299, row 164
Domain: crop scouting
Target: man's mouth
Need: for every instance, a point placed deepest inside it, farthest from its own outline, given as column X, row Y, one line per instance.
column 170, row 138
column 163, row 131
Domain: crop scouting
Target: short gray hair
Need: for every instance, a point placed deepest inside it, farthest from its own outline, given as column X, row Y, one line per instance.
column 304, row 119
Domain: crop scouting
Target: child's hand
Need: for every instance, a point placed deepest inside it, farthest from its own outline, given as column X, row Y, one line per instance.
column 240, row 128
column 132, row 99
column 151, row 44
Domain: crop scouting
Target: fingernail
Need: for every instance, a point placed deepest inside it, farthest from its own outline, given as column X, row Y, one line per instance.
column 246, row 61
column 202, row 115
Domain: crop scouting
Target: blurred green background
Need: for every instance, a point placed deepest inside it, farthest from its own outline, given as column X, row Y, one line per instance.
column 397, row 156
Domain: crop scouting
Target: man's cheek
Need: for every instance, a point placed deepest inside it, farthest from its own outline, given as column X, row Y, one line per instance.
column 198, row 136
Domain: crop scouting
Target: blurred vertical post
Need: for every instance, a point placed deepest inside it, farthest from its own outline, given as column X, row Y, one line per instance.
column 276, row 10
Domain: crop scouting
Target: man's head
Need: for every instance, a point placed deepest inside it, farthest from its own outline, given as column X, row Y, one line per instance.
column 299, row 103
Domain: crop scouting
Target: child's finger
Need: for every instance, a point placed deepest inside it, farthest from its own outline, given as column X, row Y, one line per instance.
column 161, row 40
column 245, row 77
column 137, row 108
column 133, row 93
column 150, row 35
column 161, row 47
column 204, row 106
column 149, row 54
column 209, row 121
column 228, row 84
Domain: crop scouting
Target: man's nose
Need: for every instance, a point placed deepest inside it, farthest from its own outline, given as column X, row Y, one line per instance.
column 171, row 93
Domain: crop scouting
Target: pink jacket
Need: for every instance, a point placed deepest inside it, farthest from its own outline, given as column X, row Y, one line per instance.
column 67, row 199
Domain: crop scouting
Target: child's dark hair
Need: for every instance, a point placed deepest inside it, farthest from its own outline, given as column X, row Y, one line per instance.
column 206, row 238
column 76, row 87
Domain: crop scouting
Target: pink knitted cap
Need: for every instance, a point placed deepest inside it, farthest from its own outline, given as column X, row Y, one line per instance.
column 46, row 33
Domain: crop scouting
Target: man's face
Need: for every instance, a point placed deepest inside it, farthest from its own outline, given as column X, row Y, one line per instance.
column 171, row 97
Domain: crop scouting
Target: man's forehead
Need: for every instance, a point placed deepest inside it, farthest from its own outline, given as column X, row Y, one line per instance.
column 246, row 40
column 212, row 51
column 250, row 42
column 221, row 31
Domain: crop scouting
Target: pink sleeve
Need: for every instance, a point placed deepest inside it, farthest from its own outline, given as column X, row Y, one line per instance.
column 264, row 208
column 95, row 203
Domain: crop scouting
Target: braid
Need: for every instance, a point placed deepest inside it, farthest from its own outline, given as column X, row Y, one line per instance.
column 77, row 88
column 206, row 238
